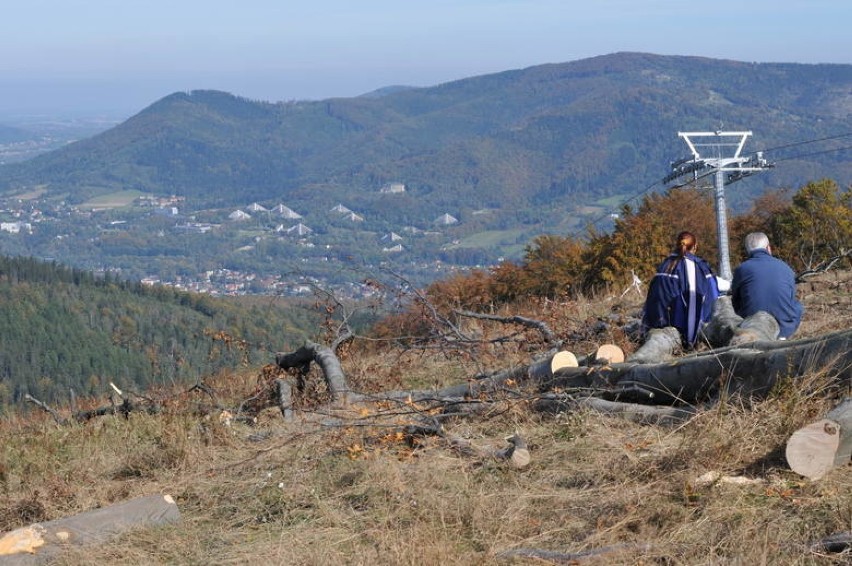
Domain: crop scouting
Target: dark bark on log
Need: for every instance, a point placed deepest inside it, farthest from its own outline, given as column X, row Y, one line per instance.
column 816, row 449
column 42, row 542
column 328, row 362
column 126, row 407
column 749, row 372
column 836, row 543
column 633, row 412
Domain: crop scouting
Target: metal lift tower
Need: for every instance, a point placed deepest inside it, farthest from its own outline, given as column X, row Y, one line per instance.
column 718, row 153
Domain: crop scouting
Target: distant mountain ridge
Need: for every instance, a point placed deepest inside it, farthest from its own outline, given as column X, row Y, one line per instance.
column 546, row 137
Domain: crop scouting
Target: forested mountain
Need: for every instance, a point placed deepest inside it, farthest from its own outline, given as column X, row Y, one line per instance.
column 547, row 137
column 63, row 328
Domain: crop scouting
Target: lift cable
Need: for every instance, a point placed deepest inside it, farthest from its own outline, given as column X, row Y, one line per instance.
column 595, row 221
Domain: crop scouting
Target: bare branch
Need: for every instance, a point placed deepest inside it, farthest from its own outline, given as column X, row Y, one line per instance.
column 548, row 335
column 824, row 266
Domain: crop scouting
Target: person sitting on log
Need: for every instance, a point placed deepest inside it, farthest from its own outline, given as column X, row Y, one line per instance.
column 682, row 292
column 766, row 283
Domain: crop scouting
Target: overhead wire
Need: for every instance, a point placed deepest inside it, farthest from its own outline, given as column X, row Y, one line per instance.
column 595, row 221
column 801, row 155
column 795, row 144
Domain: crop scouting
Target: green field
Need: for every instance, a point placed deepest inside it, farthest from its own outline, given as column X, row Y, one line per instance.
column 491, row 239
column 115, row 199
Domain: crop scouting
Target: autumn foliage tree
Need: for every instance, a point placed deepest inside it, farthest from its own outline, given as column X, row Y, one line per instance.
column 642, row 238
column 817, row 226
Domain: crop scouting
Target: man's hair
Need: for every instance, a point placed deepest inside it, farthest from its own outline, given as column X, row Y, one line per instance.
column 756, row 241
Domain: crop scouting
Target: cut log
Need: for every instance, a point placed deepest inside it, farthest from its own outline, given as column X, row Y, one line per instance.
column 563, row 360
column 692, row 379
column 41, row 542
column 760, row 326
column 660, row 346
column 609, row 354
column 816, row 449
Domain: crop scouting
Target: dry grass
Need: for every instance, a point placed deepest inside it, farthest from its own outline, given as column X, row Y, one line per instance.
column 355, row 494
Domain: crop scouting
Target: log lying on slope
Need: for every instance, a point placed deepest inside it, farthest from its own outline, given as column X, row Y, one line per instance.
column 816, row 449
column 42, row 542
column 750, row 370
column 836, row 543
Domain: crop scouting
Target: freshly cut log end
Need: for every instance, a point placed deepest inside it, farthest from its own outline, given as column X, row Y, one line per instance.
column 812, row 450
column 24, row 540
column 563, row 359
column 609, row 354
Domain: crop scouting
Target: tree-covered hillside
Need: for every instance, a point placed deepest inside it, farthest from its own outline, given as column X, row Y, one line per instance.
column 64, row 329
column 546, row 137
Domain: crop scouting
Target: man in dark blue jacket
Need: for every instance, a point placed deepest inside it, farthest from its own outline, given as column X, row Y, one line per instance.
column 765, row 283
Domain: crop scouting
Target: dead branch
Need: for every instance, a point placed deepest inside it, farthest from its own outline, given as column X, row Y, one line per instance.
column 827, row 265
column 549, row 337
column 516, row 454
column 46, row 408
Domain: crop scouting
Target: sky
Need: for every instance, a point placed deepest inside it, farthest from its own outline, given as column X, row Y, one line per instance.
column 116, row 57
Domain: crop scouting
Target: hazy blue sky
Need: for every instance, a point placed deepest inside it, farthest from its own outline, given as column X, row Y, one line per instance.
column 119, row 56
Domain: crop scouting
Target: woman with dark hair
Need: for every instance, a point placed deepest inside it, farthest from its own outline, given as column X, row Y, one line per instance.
column 682, row 292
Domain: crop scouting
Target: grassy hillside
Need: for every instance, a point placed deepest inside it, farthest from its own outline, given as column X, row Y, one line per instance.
column 326, row 488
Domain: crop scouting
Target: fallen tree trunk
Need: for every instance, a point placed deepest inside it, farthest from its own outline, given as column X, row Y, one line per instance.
column 836, row 543
column 747, row 371
column 633, row 412
column 816, row 449
column 41, row 542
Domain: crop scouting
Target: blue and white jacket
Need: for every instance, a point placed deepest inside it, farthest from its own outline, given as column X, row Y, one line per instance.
column 682, row 298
